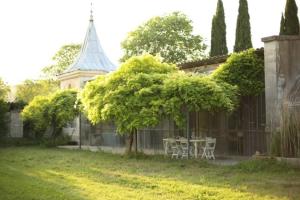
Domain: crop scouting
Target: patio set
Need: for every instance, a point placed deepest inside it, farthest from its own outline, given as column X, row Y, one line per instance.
column 196, row 147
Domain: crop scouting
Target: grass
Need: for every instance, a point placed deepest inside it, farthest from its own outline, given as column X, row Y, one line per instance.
column 35, row 173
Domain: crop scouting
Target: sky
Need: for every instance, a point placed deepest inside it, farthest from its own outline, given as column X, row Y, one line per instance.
column 33, row 30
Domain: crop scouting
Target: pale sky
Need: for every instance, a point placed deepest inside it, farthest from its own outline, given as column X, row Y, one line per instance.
column 33, row 30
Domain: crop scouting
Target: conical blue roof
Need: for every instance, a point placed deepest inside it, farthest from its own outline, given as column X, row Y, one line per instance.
column 91, row 56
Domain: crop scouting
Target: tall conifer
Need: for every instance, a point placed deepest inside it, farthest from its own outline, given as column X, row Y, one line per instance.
column 218, row 32
column 290, row 20
column 282, row 25
column 243, row 29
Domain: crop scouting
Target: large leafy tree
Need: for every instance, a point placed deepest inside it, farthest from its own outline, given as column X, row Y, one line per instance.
column 144, row 90
column 53, row 111
column 131, row 96
column 4, row 90
column 29, row 89
column 218, row 32
column 63, row 58
column 290, row 21
column 168, row 36
column 243, row 30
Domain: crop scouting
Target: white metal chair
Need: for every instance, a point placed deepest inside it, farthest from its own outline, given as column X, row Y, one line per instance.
column 175, row 149
column 184, row 148
column 209, row 148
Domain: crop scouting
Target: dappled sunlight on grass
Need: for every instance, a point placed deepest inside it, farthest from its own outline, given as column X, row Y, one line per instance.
column 91, row 176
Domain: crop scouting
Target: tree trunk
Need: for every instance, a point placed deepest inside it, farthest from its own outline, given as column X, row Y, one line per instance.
column 135, row 142
column 129, row 143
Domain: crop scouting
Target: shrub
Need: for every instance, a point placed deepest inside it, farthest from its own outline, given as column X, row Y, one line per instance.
column 244, row 70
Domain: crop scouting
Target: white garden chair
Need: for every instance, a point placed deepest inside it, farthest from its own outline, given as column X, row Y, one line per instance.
column 209, row 148
column 175, row 149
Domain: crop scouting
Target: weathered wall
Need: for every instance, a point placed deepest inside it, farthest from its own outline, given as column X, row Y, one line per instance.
column 282, row 77
column 15, row 125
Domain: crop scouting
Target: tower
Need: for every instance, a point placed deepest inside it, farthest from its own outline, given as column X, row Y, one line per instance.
column 90, row 62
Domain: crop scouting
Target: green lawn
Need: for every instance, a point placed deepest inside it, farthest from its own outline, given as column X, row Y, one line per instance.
column 54, row 174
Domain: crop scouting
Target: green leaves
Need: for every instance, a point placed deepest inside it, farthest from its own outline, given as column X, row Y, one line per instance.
column 145, row 90
column 54, row 110
column 290, row 22
column 169, row 37
column 243, row 29
column 244, row 70
column 4, row 90
column 218, row 32
column 63, row 58
column 30, row 88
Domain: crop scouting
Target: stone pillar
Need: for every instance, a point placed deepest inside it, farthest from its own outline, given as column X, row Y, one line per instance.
column 282, row 74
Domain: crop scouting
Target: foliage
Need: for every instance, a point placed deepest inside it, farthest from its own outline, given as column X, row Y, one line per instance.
column 35, row 114
column 218, row 32
column 243, row 29
column 3, row 118
column 196, row 93
column 131, row 96
column 39, row 173
column 57, row 141
column 168, row 36
column 61, row 110
column 282, row 25
column 63, row 58
column 244, row 70
column 31, row 88
column 53, row 111
column 289, row 133
column 144, row 90
column 17, row 142
column 4, row 90
column 290, row 21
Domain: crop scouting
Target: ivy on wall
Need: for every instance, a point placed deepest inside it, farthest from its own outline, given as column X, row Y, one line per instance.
column 244, row 70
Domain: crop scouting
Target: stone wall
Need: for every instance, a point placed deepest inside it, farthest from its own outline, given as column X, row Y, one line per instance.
column 282, row 78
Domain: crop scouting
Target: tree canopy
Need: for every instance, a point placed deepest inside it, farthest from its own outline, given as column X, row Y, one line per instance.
column 4, row 90
column 243, row 29
column 168, row 36
column 63, row 58
column 54, row 111
column 290, row 22
column 145, row 90
column 218, row 32
column 27, row 90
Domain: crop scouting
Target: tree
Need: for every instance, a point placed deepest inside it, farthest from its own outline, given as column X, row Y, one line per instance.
column 168, row 36
column 282, row 25
column 30, row 88
column 290, row 21
column 243, row 29
column 35, row 115
column 53, row 111
column 63, row 58
column 61, row 110
column 4, row 90
column 131, row 97
column 145, row 90
column 218, row 32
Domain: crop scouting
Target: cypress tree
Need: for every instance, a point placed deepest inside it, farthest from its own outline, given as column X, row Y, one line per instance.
column 282, row 25
column 291, row 20
column 243, row 29
column 218, row 32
